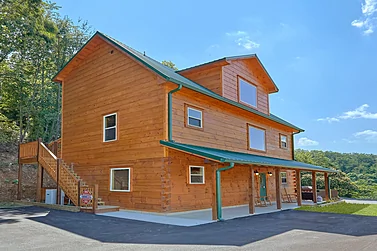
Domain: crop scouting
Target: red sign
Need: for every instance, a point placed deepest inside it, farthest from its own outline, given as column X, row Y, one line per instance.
column 86, row 197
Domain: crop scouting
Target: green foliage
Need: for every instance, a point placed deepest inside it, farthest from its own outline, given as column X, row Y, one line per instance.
column 357, row 172
column 35, row 43
column 8, row 130
column 169, row 64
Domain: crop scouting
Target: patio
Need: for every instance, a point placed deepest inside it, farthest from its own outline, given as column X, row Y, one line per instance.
column 199, row 217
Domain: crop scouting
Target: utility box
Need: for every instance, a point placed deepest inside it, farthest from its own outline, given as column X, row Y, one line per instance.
column 50, row 196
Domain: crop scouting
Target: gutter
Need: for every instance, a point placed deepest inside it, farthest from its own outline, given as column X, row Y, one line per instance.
column 293, row 144
column 218, row 190
column 170, row 112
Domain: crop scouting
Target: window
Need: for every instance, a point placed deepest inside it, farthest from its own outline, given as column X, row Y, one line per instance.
column 110, row 127
column 120, row 179
column 196, row 174
column 283, row 141
column 247, row 93
column 257, row 138
column 283, row 176
column 194, row 117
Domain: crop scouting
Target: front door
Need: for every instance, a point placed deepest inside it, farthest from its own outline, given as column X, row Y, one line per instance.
column 263, row 189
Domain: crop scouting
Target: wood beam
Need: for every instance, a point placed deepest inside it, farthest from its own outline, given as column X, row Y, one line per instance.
column 314, row 186
column 326, row 186
column 214, row 204
column 251, row 191
column 58, row 192
column 278, row 187
column 298, row 187
column 39, row 183
column 19, row 187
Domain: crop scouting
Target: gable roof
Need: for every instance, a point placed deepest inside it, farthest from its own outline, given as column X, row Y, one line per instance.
column 247, row 56
column 225, row 156
column 172, row 76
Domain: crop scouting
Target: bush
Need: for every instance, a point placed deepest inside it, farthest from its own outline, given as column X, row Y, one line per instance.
column 8, row 131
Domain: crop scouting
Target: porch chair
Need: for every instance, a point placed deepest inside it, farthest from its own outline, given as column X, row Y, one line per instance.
column 259, row 202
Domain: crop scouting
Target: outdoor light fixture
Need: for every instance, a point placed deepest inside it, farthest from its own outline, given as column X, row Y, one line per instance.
column 256, row 172
column 270, row 173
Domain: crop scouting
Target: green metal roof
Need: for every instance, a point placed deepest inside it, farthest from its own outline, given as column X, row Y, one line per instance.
column 242, row 158
column 172, row 76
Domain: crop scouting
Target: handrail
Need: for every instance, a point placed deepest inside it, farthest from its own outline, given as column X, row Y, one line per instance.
column 48, row 150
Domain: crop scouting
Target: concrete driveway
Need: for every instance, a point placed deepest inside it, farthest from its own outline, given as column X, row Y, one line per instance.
column 33, row 228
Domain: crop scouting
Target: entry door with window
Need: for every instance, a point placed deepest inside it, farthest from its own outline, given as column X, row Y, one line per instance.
column 262, row 182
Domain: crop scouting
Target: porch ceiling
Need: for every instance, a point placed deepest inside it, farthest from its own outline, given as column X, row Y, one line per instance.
column 242, row 158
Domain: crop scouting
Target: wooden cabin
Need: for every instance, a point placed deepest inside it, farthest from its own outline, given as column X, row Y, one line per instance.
column 159, row 140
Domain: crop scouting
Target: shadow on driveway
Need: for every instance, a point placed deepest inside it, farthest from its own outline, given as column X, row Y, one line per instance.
column 236, row 232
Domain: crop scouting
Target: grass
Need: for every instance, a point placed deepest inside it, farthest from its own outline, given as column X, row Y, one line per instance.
column 343, row 208
column 10, row 204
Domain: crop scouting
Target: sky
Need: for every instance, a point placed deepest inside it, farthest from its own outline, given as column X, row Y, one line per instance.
column 321, row 54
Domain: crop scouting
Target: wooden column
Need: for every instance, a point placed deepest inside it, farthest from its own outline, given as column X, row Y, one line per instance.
column 314, row 186
column 58, row 192
column 19, row 187
column 95, row 198
column 298, row 187
column 326, row 186
column 251, row 191
column 278, row 187
column 214, row 204
column 39, row 183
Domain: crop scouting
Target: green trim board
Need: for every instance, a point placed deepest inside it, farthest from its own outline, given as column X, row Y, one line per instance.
column 172, row 76
column 225, row 156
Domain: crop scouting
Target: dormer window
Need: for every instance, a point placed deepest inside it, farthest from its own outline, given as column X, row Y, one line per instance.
column 247, row 92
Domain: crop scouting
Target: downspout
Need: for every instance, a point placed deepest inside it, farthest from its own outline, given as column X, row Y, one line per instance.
column 218, row 190
column 293, row 145
column 170, row 112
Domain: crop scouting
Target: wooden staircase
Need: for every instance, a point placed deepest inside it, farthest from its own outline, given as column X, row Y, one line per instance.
column 62, row 173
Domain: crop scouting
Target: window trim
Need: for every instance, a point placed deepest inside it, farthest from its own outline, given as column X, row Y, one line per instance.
column 187, row 107
column 280, row 141
column 248, row 138
column 129, row 179
column 286, row 178
column 104, row 128
column 239, row 92
column 189, row 178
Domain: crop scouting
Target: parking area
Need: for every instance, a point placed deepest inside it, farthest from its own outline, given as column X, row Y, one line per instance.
column 34, row 228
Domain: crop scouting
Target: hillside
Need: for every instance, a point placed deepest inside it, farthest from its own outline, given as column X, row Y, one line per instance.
column 358, row 176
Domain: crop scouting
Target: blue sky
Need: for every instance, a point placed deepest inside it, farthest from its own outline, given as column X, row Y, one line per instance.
column 321, row 54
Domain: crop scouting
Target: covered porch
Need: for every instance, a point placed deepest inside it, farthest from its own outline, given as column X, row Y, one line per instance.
column 264, row 177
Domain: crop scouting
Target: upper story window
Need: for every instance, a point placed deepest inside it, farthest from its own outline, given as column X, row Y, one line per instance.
column 283, row 141
column 120, row 179
column 247, row 92
column 110, row 127
column 257, row 138
column 194, row 117
column 283, row 176
column 196, row 174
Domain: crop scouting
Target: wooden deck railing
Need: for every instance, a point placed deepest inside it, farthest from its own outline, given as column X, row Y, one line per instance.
column 55, row 147
column 69, row 182
column 48, row 160
column 28, row 150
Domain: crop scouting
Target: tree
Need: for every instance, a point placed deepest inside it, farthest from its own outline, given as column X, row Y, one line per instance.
column 169, row 64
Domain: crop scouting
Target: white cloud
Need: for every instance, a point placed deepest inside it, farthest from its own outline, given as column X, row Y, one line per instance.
column 242, row 39
column 358, row 113
column 307, row 142
column 368, row 135
column 328, row 119
column 368, row 19
column 236, row 33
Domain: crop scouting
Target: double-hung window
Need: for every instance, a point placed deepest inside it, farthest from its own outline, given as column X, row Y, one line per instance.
column 283, row 176
column 257, row 138
column 247, row 92
column 120, row 179
column 110, row 127
column 196, row 174
column 194, row 117
column 283, row 141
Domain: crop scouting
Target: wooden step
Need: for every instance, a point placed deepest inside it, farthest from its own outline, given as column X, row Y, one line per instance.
column 100, row 209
